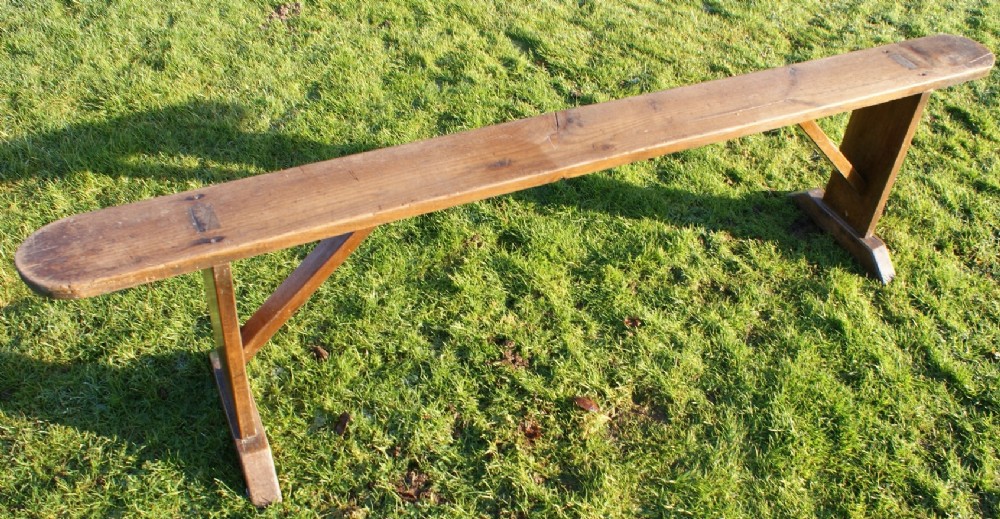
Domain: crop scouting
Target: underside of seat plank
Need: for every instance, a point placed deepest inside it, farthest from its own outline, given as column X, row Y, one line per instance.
column 124, row 246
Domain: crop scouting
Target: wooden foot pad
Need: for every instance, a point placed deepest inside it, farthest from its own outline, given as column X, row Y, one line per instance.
column 870, row 251
column 254, row 451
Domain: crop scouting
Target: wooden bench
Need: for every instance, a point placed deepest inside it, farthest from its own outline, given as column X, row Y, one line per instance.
column 340, row 201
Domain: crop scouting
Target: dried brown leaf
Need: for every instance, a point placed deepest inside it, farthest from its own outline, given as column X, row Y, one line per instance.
column 320, row 353
column 342, row 421
column 531, row 430
column 633, row 322
column 474, row 241
column 586, row 404
column 513, row 359
column 510, row 355
column 283, row 13
column 414, row 486
column 500, row 340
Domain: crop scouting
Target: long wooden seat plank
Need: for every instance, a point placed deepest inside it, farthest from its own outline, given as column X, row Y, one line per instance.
column 120, row 247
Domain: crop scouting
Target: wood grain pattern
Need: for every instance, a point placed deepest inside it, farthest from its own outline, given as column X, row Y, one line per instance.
column 876, row 141
column 120, row 247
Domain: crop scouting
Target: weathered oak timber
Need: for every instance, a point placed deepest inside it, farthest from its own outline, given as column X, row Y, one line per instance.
column 876, row 141
column 120, row 247
column 875, row 144
column 340, row 201
column 226, row 325
column 841, row 165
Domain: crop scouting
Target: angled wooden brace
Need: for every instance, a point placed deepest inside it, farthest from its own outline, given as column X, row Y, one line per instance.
column 236, row 345
column 865, row 166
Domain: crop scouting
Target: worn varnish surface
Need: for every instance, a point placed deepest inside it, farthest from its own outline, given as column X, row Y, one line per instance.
column 123, row 246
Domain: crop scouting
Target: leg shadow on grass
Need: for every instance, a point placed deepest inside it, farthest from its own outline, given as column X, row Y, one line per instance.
column 162, row 409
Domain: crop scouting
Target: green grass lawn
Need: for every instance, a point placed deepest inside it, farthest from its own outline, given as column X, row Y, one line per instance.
column 741, row 363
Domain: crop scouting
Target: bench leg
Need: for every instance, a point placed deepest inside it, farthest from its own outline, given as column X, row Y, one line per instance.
column 875, row 143
column 229, row 367
column 236, row 345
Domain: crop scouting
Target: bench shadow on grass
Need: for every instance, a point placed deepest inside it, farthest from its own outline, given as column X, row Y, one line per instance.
column 163, row 413
column 769, row 216
column 142, row 144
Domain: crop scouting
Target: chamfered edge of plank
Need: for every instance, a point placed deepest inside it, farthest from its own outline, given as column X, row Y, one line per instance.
column 870, row 251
